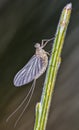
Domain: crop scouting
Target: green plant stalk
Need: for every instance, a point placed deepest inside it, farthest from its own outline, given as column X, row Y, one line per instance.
column 42, row 108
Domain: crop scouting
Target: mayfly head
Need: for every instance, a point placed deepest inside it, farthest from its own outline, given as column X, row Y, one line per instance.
column 37, row 45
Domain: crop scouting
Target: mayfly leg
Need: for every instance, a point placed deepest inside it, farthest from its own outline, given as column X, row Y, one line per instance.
column 46, row 41
column 30, row 92
column 33, row 87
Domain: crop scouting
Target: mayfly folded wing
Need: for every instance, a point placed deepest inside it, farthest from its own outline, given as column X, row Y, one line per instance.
column 28, row 72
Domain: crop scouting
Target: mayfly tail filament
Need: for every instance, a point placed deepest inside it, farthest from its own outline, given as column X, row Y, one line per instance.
column 33, row 87
column 29, row 93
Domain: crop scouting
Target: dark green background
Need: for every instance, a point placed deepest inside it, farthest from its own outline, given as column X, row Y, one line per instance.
column 22, row 24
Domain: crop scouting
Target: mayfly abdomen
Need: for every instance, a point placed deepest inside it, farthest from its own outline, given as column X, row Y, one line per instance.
column 41, row 72
column 44, row 61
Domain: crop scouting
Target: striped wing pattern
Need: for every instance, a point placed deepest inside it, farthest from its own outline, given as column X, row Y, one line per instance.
column 28, row 72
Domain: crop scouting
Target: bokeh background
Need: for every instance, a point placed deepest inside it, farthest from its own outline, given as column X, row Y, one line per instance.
column 22, row 24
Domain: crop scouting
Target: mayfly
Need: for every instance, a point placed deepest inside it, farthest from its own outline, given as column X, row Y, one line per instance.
column 35, row 67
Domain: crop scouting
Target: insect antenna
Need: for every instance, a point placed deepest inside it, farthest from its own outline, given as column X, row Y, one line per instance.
column 30, row 92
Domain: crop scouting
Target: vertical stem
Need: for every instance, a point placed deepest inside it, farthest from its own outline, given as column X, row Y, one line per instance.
column 42, row 108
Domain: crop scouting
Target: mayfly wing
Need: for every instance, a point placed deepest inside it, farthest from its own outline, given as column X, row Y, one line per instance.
column 28, row 72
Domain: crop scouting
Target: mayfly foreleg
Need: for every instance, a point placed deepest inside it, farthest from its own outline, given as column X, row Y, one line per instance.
column 45, row 41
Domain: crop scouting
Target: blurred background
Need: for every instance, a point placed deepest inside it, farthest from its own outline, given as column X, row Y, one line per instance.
column 22, row 24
